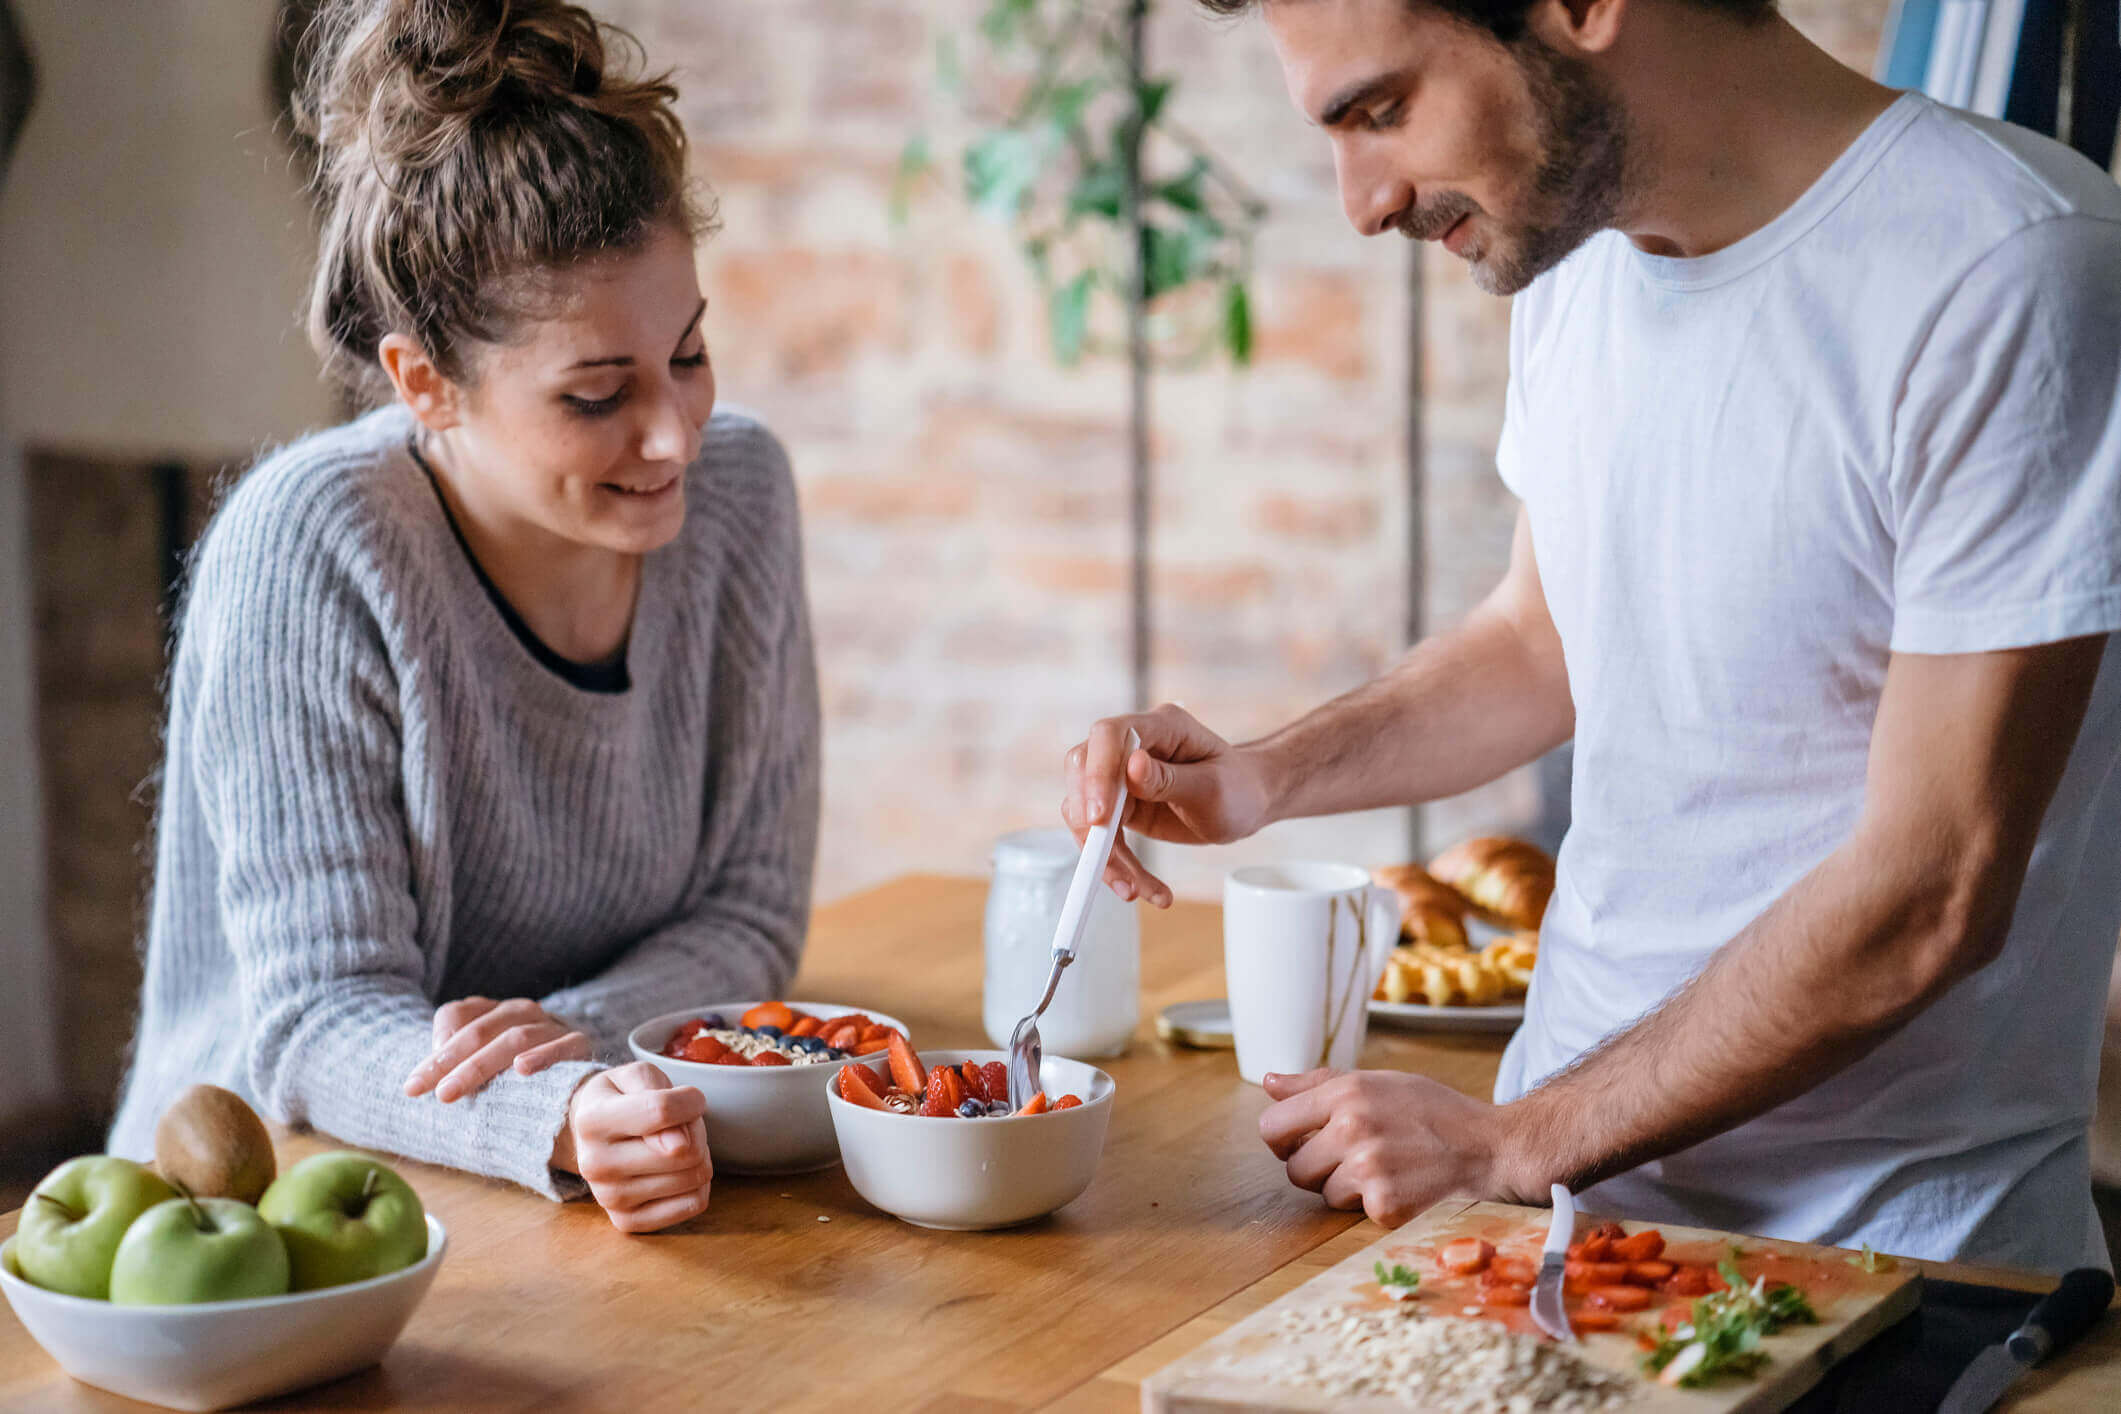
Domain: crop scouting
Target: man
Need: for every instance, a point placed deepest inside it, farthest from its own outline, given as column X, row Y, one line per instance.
column 1812, row 411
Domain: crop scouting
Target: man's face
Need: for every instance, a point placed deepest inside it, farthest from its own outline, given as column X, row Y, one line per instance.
column 1512, row 155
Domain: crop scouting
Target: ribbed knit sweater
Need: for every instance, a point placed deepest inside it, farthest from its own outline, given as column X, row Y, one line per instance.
column 374, row 800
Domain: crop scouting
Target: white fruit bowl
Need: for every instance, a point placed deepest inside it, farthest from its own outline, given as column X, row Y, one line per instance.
column 967, row 1175
column 760, row 1119
column 223, row 1353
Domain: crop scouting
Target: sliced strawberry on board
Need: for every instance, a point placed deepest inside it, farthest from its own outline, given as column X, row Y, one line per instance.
column 1506, row 1293
column 1644, row 1246
column 906, row 1067
column 1649, row 1273
column 1467, row 1255
column 1619, row 1298
column 1591, row 1320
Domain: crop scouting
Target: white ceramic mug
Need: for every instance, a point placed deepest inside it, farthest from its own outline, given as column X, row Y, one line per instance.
column 1303, row 947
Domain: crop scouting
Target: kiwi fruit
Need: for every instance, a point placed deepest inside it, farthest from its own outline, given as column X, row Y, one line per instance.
column 213, row 1145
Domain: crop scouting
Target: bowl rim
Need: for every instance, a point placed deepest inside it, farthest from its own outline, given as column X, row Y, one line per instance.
column 647, row 1053
column 437, row 1244
column 834, row 1099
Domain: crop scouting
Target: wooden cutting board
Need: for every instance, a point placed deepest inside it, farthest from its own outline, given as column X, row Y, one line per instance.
column 1230, row 1372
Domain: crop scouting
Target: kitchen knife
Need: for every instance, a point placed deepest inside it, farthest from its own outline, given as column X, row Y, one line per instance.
column 1547, row 1311
column 2062, row 1315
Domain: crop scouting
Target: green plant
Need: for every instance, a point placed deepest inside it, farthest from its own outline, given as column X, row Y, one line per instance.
column 1113, row 201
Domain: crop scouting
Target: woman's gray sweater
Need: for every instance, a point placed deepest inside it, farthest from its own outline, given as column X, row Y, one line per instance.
column 374, row 800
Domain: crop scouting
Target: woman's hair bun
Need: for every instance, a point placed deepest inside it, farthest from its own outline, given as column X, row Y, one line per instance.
column 464, row 141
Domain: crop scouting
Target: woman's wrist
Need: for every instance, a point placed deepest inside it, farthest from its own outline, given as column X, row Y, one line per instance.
column 563, row 1156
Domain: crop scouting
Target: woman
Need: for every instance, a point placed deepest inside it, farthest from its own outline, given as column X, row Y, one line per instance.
column 466, row 704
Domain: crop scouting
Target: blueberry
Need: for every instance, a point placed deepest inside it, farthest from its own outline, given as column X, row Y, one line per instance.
column 713, row 1021
column 972, row 1109
column 809, row 1044
column 773, row 1031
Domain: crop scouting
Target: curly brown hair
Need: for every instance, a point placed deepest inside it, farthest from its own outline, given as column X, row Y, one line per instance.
column 466, row 149
column 1505, row 19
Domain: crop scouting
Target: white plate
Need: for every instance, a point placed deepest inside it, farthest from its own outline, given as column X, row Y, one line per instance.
column 1413, row 1016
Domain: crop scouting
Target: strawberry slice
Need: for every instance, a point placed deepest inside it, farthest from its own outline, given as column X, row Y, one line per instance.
column 866, row 1078
column 1036, row 1105
column 1644, row 1246
column 770, row 1014
column 770, row 1058
column 680, row 1038
column 1068, row 1102
column 1467, row 1255
column 704, row 1049
column 994, row 1081
column 857, row 1092
column 906, row 1067
column 806, row 1026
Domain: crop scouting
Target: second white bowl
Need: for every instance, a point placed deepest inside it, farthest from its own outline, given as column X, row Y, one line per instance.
column 967, row 1175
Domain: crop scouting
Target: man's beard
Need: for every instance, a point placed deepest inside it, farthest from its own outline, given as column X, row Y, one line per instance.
column 1576, row 190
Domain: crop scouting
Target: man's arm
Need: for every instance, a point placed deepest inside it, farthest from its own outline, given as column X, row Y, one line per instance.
column 1459, row 710
column 1966, row 753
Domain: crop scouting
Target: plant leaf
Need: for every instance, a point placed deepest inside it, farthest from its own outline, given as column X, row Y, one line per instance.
column 1099, row 191
column 1001, row 169
column 1168, row 258
column 1150, row 97
column 1070, row 309
column 1237, row 322
column 914, row 162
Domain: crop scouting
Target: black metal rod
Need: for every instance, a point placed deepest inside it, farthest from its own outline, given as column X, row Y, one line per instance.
column 1138, row 357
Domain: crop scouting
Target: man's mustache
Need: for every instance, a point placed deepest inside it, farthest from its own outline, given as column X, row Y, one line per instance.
column 1428, row 223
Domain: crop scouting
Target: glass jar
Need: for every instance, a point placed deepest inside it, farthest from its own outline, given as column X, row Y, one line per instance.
column 1098, row 1003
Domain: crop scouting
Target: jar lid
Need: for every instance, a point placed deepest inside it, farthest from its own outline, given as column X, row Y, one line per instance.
column 1047, row 850
column 1202, row 1025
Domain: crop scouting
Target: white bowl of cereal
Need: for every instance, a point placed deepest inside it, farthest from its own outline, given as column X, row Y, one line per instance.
column 977, row 1167
column 763, row 1115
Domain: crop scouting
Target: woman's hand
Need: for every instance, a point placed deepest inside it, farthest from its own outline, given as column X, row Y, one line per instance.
column 641, row 1145
column 476, row 1038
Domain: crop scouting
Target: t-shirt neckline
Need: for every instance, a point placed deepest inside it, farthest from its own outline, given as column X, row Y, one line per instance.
column 1841, row 177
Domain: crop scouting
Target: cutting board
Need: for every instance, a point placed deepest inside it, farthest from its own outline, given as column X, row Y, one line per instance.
column 1852, row 1304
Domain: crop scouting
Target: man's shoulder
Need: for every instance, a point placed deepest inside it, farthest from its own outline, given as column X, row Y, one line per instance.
column 1957, row 186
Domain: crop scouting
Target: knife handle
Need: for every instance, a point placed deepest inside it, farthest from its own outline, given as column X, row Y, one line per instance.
column 2062, row 1315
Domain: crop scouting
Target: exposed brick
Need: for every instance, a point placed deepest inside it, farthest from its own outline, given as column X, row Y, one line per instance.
column 814, row 310
column 944, row 496
column 970, row 305
column 1317, row 319
column 1338, row 520
column 1074, row 574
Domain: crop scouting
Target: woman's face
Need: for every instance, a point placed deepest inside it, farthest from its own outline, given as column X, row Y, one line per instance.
column 582, row 425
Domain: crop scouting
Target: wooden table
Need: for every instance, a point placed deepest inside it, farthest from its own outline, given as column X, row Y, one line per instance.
column 791, row 1293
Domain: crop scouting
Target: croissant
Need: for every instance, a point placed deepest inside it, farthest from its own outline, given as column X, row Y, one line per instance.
column 1508, row 882
column 1430, row 912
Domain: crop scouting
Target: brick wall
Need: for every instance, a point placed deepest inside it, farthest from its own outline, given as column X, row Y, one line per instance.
column 966, row 500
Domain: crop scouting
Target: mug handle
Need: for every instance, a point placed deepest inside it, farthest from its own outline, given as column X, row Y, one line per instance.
column 1382, row 910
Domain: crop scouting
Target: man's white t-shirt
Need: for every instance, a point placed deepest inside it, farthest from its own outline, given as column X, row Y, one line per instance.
column 1888, row 422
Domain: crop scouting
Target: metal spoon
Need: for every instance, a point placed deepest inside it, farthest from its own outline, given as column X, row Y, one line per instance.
column 1025, row 1051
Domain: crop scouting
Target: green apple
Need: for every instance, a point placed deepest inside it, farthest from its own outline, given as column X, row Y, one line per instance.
column 345, row 1217
column 76, row 1217
column 198, row 1249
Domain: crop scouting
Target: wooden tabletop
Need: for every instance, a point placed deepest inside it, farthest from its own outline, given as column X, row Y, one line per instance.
column 1189, row 1225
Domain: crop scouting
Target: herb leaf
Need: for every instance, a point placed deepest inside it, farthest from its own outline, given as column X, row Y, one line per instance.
column 1396, row 1275
column 1723, row 1337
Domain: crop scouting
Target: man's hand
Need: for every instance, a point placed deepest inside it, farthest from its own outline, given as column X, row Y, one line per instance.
column 641, row 1145
column 1185, row 785
column 476, row 1038
column 1389, row 1143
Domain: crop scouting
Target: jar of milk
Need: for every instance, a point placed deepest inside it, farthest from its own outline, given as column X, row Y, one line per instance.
column 1098, row 1003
